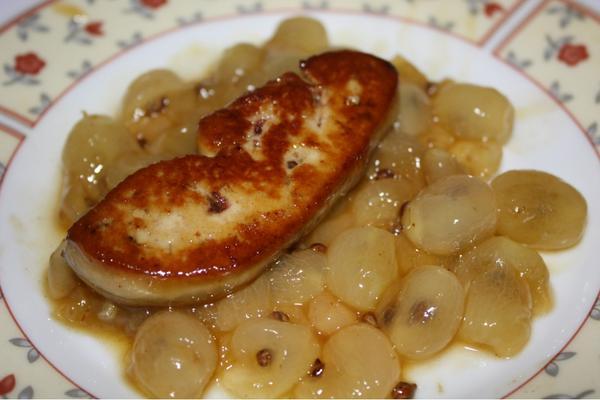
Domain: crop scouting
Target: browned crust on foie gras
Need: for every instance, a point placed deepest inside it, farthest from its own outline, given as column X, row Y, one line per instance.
column 272, row 163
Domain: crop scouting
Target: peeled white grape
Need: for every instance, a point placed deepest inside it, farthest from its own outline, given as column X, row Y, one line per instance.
column 173, row 356
column 474, row 112
column 399, row 156
column 268, row 357
column 357, row 362
column 168, row 126
column 436, row 137
column 74, row 201
column 329, row 229
column 497, row 312
column 415, row 109
column 478, row 158
column 409, row 256
column 148, row 88
column 438, row 163
column 172, row 133
column 301, row 35
column 253, row 301
column 294, row 39
column 297, row 277
column 423, row 316
column 237, row 61
column 499, row 250
column 240, row 67
column 378, row 202
column 126, row 164
column 362, row 264
column 295, row 313
column 91, row 149
column 538, row 209
column 435, row 88
column 61, row 278
column 328, row 314
column 407, row 72
column 451, row 214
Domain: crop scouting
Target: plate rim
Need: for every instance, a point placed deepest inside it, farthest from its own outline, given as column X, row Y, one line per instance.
column 150, row 39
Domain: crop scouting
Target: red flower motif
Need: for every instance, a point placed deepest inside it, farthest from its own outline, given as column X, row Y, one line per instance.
column 94, row 28
column 29, row 64
column 572, row 54
column 492, row 8
column 7, row 384
column 153, row 3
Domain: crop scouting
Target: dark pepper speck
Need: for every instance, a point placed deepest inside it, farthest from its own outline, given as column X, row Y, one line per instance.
column 264, row 357
column 318, row 368
column 404, row 390
column 217, row 203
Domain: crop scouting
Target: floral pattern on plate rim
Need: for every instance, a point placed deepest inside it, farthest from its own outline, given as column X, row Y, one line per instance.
column 29, row 68
column 567, row 36
column 34, row 77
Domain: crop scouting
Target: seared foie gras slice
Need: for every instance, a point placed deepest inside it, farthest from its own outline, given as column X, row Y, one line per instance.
column 272, row 163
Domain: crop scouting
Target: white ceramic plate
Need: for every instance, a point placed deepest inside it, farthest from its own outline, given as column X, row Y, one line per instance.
column 547, row 136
